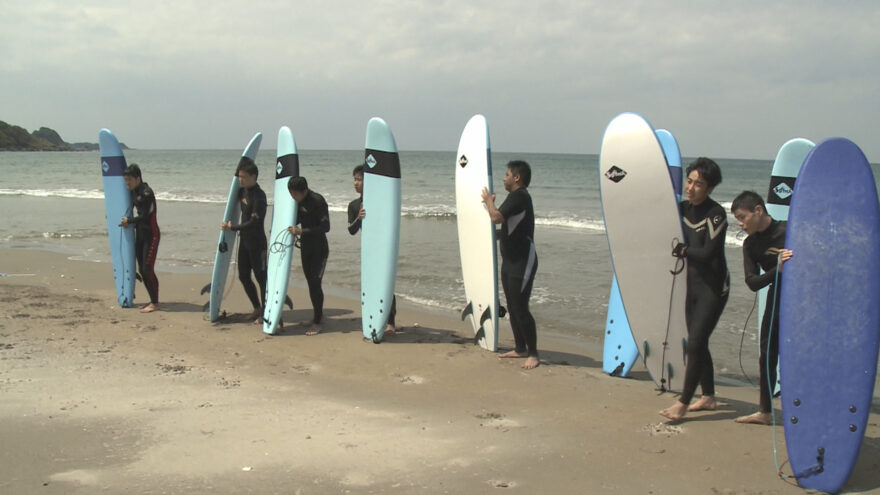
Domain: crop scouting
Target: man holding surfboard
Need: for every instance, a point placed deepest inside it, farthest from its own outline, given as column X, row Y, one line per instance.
column 252, row 245
column 356, row 214
column 146, row 232
column 708, row 282
column 763, row 249
column 314, row 221
column 519, row 260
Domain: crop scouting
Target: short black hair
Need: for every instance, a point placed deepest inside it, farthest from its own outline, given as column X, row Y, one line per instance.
column 298, row 184
column 707, row 168
column 358, row 170
column 247, row 166
column 132, row 171
column 522, row 169
column 747, row 200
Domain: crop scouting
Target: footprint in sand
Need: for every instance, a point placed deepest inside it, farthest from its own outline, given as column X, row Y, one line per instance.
column 410, row 379
column 655, row 429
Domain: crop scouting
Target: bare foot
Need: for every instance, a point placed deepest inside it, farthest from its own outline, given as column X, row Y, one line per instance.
column 514, row 354
column 706, row 403
column 389, row 328
column 531, row 363
column 758, row 418
column 315, row 329
column 676, row 412
column 149, row 308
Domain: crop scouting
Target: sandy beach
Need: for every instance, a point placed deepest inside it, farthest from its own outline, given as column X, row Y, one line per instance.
column 100, row 399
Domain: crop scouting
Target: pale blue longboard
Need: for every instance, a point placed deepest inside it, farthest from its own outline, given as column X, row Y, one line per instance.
column 782, row 179
column 620, row 351
column 226, row 244
column 117, row 204
column 830, row 320
column 284, row 213
column 380, row 230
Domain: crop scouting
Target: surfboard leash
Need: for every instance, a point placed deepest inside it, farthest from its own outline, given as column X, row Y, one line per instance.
column 742, row 339
column 677, row 269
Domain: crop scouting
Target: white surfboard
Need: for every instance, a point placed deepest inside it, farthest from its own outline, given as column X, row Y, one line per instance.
column 380, row 230
column 284, row 212
column 226, row 244
column 642, row 223
column 476, row 232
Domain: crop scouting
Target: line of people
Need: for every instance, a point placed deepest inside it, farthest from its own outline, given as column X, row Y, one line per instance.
column 704, row 222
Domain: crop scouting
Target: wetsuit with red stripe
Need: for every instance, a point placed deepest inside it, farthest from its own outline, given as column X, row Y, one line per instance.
column 146, row 237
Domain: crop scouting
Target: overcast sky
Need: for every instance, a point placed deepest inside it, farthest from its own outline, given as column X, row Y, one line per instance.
column 731, row 79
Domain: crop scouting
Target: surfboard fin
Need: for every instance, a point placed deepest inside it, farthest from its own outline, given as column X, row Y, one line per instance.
column 138, row 277
column 288, row 302
column 481, row 334
column 375, row 338
column 617, row 371
column 646, row 350
column 502, row 311
column 468, row 310
column 206, row 306
column 206, row 288
column 485, row 316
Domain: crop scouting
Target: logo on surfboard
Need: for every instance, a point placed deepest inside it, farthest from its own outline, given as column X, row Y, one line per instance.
column 105, row 167
column 371, row 161
column 615, row 174
column 463, row 161
column 278, row 168
column 782, row 190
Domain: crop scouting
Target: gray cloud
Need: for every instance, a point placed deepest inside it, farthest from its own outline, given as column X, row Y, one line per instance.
column 729, row 79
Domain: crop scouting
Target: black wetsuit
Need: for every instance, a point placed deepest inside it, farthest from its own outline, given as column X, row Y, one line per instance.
column 519, row 263
column 354, row 226
column 314, row 219
column 252, row 243
column 705, row 228
column 146, row 237
column 761, row 250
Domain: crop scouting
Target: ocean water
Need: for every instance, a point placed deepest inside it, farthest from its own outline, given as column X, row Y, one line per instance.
column 55, row 201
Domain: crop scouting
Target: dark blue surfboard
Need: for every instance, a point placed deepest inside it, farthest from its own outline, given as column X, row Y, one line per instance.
column 830, row 320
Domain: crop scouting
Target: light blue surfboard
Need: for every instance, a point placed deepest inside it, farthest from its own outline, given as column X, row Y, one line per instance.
column 380, row 230
column 284, row 213
column 620, row 350
column 226, row 244
column 782, row 179
column 830, row 320
column 117, row 204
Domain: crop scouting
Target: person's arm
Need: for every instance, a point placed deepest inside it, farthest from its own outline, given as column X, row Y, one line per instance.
column 755, row 280
column 489, row 200
column 147, row 202
column 323, row 226
column 354, row 218
column 257, row 215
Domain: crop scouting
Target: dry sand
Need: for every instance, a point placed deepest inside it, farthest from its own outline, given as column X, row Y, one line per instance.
column 99, row 399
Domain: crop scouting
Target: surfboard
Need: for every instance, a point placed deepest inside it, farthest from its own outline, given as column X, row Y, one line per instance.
column 380, row 229
column 476, row 232
column 830, row 320
column 788, row 163
column 642, row 224
column 620, row 351
column 226, row 244
column 284, row 213
column 117, row 204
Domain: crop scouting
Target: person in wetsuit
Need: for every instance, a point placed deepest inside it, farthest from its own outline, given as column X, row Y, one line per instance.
column 763, row 249
column 519, row 259
column 708, row 282
column 252, row 244
column 314, row 221
column 356, row 215
column 146, row 232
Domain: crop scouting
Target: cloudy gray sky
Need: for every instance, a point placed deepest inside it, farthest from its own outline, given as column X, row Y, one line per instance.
column 730, row 79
